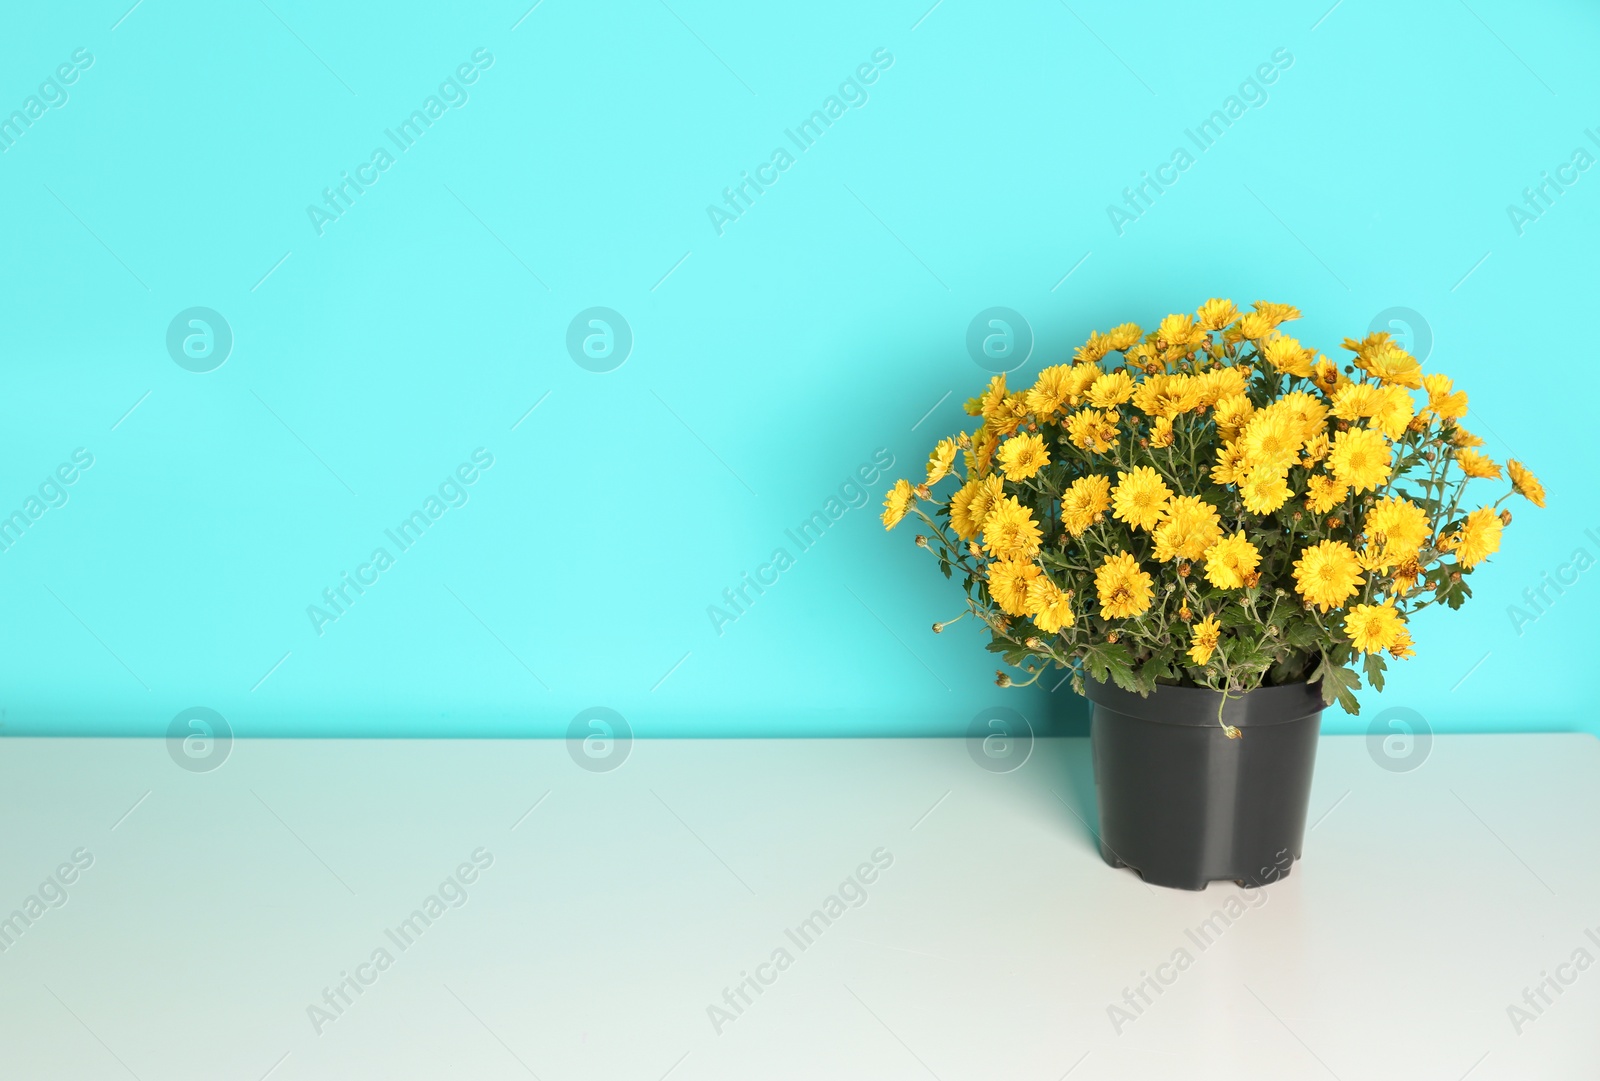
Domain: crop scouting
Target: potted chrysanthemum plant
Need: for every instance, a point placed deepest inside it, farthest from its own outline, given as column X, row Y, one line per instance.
column 1218, row 532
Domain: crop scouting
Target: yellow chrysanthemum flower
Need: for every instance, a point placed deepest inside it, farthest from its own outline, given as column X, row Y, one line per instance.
column 1008, row 415
column 1147, row 395
column 1139, row 497
column 1009, row 582
column 1233, row 413
column 1259, row 324
column 1085, row 503
column 1307, row 410
column 991, row 398
column 1231, row 562
column 1272, row 439
column 1316, row 449
column 1092, row 429
column 1327, row 376
column 1525, row 483
column 1111, row 390
column 980, row 454
column 1443, row 401
column 1080, row 379
column 1216, row 313
column 1124, row 336
column 1161, row 433
column 1353, row 401
column 899, row 500
column 1477, row 465
column 1403, row 524
column 1394, row 410
column 1051, row 392
column 1219, row 383
column 1231, row 465
column 1287, row 355
column 1373, row 628
column 971, row 505
column 1389, row 408
column 1167, row 395
column 1366, row 345
column 1178, row 333
column 1460, row 437
column 1396, row 531
column 1124, row 590
column 1478, row 538
column 1145, row 357
column 1400, row 649
column 1323, row 493
column 1391, row 364
column 1050, row 606
column 1092, row 350
column 1203, row 642
column 1010, row 532
column 1406, row 576
column 1265, row 488
column 1276, row 313
column 1327, row 574
column 1022, row 456
column 1256, row 326
column 1187, row 529
column 1360, row 458
column 940, row 461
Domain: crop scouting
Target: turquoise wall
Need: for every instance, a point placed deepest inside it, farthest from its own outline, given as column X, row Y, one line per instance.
column 585, row 490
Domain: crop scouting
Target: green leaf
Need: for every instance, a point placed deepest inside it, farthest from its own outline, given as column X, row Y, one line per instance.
column 1301, row 635
column 1236, row 615
column 1158, row 668
column 1374, row 667
column 1110, row 663
column 1289, row 670
column 1339, row 684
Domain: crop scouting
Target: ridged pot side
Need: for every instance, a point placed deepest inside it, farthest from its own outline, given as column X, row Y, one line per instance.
column 1182, row 803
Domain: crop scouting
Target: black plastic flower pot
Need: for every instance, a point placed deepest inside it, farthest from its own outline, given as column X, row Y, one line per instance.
column 1183, row 804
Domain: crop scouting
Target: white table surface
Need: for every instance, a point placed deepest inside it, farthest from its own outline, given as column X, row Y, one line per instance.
column 617, row 910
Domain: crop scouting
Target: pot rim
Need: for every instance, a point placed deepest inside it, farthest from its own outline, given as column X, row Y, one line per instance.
column 1197, row 706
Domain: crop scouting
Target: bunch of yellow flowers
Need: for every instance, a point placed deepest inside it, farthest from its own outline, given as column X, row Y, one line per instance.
column 1212, row 504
